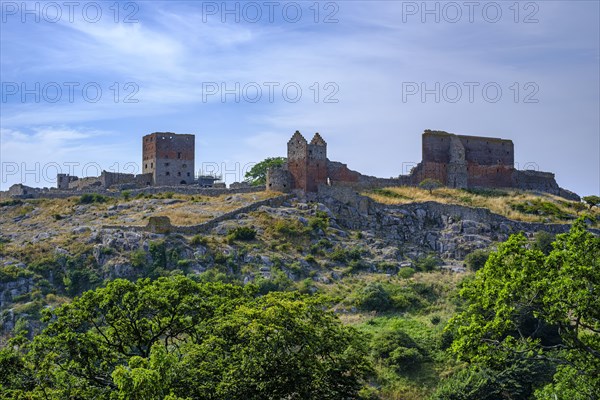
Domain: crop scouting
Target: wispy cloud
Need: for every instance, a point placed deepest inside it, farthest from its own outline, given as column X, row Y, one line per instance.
column 374, row 49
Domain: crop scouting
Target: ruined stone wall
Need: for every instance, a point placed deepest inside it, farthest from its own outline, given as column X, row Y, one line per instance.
column 279, row 179
column 457, row 166
column 22, row 191
column 536, row 180
column 456, row 161
column 63, row 180
column 143, row 180
column 169, row 157
column 493, row 176
column 488, row 151
column 115, row 178
column 338, row 172
column 478, row 150
column 86, row 183
column 460, row 161
column 429, row 170
column 163, row 224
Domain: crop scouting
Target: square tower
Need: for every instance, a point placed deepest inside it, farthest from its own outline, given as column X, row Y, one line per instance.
column 169, row 157
column 307, row 162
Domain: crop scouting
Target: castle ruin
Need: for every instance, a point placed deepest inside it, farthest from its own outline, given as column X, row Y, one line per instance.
column 457, row 161
column 167, row 160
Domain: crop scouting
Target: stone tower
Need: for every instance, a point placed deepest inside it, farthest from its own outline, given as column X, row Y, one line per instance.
column 307, row 162
column 457, row 166
column 169, row 157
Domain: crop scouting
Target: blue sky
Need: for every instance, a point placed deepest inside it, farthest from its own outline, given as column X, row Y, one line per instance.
column 372, row 75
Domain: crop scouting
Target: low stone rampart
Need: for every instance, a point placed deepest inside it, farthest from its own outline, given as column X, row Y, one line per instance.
column 162, row 225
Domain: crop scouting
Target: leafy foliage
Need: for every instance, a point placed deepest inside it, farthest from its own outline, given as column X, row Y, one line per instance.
column 529, row 306
column 592, row 201
column 543, row 241
column 476, row 259
column 428, row 263
column 539, row 207
column 175, row 337
column 430, row 184
column 244, row 233
column 90, row 198
column 257, row 175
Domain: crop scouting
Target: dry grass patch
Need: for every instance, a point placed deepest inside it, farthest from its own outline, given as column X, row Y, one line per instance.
column 509, row 203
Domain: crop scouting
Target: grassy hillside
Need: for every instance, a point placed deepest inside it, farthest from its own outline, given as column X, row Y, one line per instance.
column 52, row 251
column 513, row 204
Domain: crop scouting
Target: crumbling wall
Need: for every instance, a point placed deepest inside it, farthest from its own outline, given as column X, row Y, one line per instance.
column 338, row 172
column 279, row 179
column 488, row 151
column 109, row 179
column 86, row 183
column 457, row 176
column 63, row 181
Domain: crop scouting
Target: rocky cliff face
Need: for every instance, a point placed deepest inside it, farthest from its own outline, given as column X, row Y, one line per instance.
column 452, row 231
column 377, row 238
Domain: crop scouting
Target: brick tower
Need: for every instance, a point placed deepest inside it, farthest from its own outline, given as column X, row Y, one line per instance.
column 169, row 157
column 307, row 162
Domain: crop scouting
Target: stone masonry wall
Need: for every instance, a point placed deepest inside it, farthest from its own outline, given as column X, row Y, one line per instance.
column 163, row 225
column 169, row 157
column 279, row 179
column 478, row 150
column 297, row 149
column 26, row 192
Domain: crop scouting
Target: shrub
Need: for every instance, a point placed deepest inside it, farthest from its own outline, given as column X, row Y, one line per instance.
column 310, row 259
column 198, row 240
column 289, row 228
column 543, row 241
column 339, row 254
column 158, row 252
column 319, row 221
column 7, row 203
column 90, row 198
column 406, row 272
column 243, row 233
column 126, row 194
column 476, row 259
column 428, row 263
column 397, row 349
column 543, row 208
column 373, row 297
column 138, row 258
column 355, row 253
column 592, row 201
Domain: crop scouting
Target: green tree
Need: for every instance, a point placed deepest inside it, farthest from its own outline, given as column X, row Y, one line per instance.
column 592, row 201
column 257, row 175
column 476, row 259
column 430, row 184
column 175, row 338
column 543, row 241
column 529, row 306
